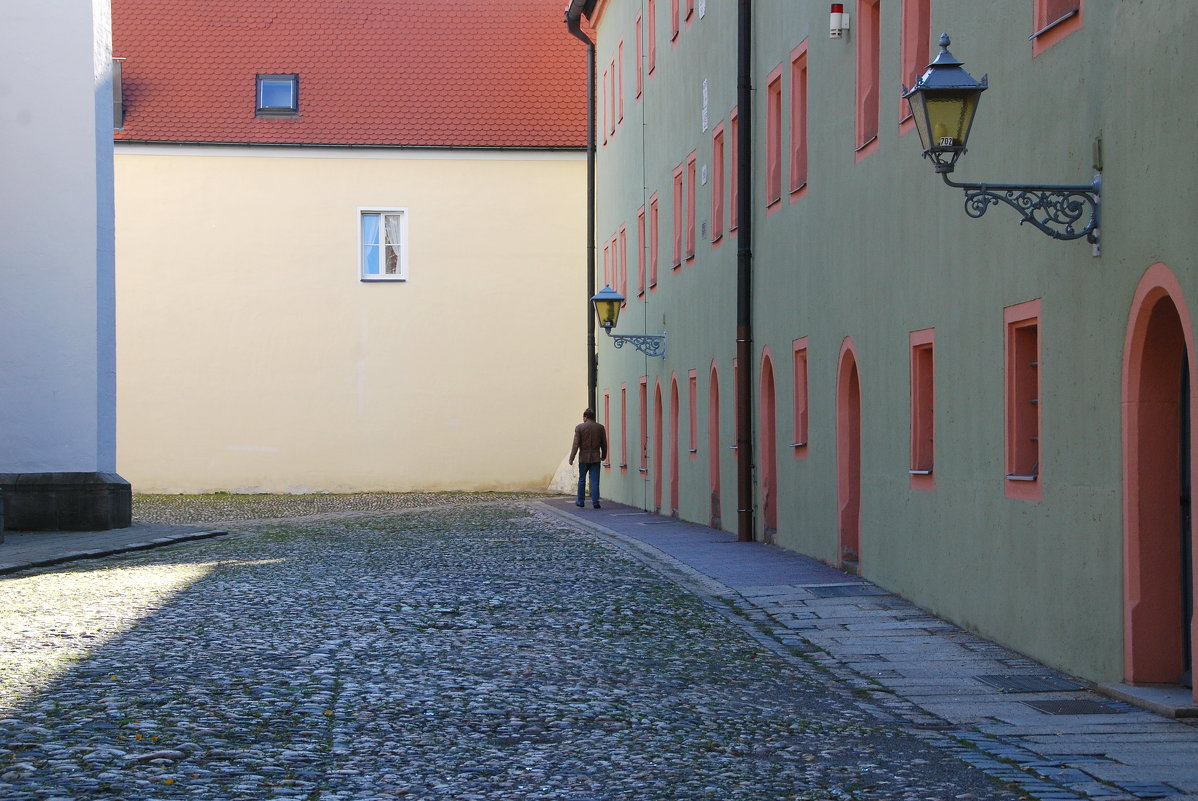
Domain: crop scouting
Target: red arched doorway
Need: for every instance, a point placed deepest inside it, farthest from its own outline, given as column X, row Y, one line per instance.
column 713, row 444
column 674, row 445
column 657, row 447
column 1158, row 407
column 848, row 457
column 768, row 449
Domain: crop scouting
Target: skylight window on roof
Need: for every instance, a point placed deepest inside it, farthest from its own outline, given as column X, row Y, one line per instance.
column 278, row 95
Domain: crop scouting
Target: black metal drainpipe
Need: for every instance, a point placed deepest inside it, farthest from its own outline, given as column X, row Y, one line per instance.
column 744, row 273
column 573, row 22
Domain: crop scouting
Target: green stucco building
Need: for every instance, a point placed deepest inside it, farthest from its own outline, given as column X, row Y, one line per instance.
column 985, row 419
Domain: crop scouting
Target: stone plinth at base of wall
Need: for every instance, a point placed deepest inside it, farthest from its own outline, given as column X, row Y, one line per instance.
column 65, row 501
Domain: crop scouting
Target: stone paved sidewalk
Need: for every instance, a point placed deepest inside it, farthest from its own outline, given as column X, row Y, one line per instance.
column 23, row 550
column 1054, row 736
column 458, row 650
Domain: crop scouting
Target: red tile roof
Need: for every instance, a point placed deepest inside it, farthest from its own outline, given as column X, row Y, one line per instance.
column 436, row 73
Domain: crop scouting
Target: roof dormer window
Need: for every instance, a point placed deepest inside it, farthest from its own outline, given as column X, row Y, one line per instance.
column 278, row 95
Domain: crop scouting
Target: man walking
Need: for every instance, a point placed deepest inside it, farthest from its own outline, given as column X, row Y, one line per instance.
column 590, row 446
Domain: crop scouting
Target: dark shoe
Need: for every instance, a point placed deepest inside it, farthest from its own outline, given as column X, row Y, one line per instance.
column 597, row 506
column 580, row 505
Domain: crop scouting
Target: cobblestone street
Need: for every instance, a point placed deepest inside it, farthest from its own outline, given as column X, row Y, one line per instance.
column 464, row 647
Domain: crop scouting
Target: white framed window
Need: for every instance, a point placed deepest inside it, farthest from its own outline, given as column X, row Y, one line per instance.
column 383, row 240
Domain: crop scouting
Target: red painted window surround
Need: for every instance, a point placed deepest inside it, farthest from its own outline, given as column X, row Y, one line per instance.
column 798, row 350
column 798, row 122
column 644, row 435
column 678, row 218
column 767, row 442
column 717, row 185
column 916, row 51
column 612, row 91
column 606, row 102
column 674, row 16
column 1023, row 413
column 713, row 439
column 923, row 409
column 692, row 180
column 640, row 252
column 607, row 422
column 1053, row 20
column 624, row 262
column 735, row 402
column 654, row 240
column 1154, row 352
column 620, row 81
column 651, row 14
column 869, row 41
column 734, row 170
column 640, row 53
column 692, row 394
column 773, row 140
column 607, row 279
column 658, row 445
column 675, row 414
column 624, row 426
column 615, row 263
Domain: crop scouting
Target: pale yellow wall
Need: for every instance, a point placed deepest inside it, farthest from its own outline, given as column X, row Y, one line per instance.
column 251, row 356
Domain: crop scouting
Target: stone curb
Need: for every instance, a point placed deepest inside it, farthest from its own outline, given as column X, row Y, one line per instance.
column 158, row 542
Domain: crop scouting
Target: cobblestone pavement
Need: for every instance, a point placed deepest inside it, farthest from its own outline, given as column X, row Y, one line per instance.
column 464, row 647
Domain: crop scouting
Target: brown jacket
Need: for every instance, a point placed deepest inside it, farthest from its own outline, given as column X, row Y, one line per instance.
column 590, row 442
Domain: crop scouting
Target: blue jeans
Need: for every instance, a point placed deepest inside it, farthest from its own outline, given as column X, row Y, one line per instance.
column 583, row 469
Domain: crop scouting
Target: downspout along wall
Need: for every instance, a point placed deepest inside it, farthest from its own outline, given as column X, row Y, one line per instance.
column 573, row 22
column 744, row 275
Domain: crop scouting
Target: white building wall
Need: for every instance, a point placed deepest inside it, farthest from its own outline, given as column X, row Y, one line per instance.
column 57, row 330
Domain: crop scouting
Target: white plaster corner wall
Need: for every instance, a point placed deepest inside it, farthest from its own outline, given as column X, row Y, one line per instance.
column 58, row 393
column 565, row 479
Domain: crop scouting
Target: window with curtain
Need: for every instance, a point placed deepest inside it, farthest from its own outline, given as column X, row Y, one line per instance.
column 384, row 250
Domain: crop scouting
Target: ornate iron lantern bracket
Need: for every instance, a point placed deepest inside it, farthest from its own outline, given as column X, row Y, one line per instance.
column 607, row 303
column 943, row 102
column 648, row 344
column 1060, row 211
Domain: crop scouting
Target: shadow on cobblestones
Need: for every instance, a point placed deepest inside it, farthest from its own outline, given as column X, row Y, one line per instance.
column 477, row 650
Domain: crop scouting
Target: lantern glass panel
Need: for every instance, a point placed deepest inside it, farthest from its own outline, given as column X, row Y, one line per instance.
column 608, row 311
column 919, row 111
column 949, row 117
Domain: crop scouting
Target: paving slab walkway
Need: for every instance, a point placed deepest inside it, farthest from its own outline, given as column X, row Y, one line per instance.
column 991, row 706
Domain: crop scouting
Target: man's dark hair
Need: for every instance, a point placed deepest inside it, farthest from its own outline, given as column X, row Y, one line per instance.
column 589, row 414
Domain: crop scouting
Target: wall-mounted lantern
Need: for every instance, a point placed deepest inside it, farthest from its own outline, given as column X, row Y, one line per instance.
column 607, row 302
column 943, row 102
